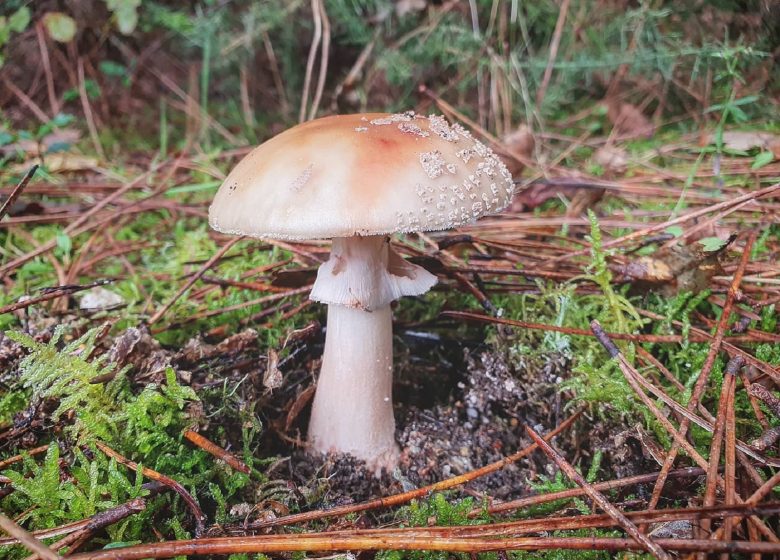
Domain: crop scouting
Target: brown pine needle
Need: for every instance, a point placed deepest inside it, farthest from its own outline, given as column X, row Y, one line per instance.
column 214, row 449
column 643, row 540
column 13, row 529
column 161, row 478
column 412, row 494
column 194, row 278
column 6, row 207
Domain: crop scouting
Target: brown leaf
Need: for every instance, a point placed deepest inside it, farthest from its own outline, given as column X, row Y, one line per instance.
column 312, row 328
column 272, row 378
column 522, row 143
column 629, row 122
column 743, row 141
column 60, row 138
column 294, row 278
column 680, row 268
column 613, row 159
column 403, row 7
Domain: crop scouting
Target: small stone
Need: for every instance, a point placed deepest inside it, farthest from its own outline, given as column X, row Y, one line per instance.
column 100, row 299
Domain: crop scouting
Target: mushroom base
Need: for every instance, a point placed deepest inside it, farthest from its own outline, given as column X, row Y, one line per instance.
column 353, row 406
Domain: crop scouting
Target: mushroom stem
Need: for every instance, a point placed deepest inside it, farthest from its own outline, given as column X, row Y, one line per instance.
column 353, row 407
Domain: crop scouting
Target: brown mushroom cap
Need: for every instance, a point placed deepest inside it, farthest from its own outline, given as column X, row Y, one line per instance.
column 367, row 174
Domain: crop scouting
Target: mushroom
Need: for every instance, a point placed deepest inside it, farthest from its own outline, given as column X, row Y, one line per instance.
column 356, row 179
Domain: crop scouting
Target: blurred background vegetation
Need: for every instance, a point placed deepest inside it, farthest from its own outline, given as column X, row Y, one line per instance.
column 236, row 71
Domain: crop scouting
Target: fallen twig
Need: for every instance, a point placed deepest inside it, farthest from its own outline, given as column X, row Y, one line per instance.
column 50, row 293
column 301, row 543
column 24, row 537
column 6, row 207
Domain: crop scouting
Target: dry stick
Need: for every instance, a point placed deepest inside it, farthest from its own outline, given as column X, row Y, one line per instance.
column 52, row 293
column 644, row 541
column 765, row 368
column 194, row 278
column 154, row 488
column 53, row 101
column 554, row 44
column 276, row 73
column 756, row 497
column 270, row 544
column 323, row 59
column 19, row 458
column 10, row 527
column 6, row 207
column 708, row 423
column 695, row 335
column 704, row 375
column 731, row 457
column 412, row 494
column 726, row 393
column 555, row 328
column 96, row 523
column 26, row 101
column 525, row 527
column 87, row 108
column 766, row 439
column 764, row 395
column 214, row 449
column 315, row 46
column 686, row 472
column 169, row 482
column 242, row 305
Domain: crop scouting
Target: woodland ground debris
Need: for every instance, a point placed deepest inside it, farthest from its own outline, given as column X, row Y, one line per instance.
column 671, row 243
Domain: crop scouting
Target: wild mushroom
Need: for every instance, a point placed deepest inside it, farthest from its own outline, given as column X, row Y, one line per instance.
column 356, row 179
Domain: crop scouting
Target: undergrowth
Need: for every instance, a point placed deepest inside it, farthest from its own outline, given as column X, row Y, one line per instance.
column 145, row 421
column 146, row 424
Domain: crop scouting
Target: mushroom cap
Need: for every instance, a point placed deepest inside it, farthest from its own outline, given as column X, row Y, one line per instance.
column 368, row 174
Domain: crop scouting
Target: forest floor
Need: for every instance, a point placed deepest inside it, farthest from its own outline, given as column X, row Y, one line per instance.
column 156, row 376
column 126, row 340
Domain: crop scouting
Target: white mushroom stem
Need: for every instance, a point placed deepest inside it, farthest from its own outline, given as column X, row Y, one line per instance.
column 353, row 406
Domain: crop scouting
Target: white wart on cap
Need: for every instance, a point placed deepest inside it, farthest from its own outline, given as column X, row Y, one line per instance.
column 367, row 174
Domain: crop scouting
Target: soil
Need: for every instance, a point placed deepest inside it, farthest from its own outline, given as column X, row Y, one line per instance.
column 460, row 405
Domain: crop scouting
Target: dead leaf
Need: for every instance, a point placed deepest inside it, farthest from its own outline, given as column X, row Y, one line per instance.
column 272, row 378
column 135, row 346
column 520, row 142
column 298, row 405
column 196, row 350
column 679, row 268
column 629, row 122
column 541, row 190
column 744, row 141
column 303, row 333
column 60, row 162
column 295, row 278
column 614, row 160
column 56, row 141
column 403, row 7
column 237, row 343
